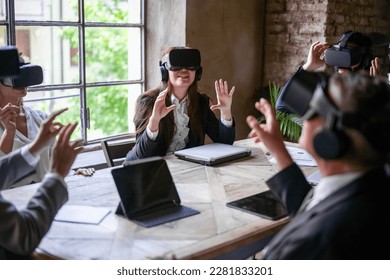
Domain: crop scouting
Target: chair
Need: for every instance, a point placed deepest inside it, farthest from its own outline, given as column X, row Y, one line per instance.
column 115, row 150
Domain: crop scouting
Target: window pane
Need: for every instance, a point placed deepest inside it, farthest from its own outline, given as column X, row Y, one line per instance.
column 67, row 99
column 56, row 10
column 112, row 11
column 108, row 110
column 2, row 10
column 50, row 48
column 134, row 91
column 3, row 36
column 113, row 54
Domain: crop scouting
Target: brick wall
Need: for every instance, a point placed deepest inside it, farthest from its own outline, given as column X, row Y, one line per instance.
column 292, row 25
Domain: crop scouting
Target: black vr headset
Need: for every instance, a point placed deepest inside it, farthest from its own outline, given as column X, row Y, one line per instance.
column 341, row 56
column 9, row 62
column 305, row 95
column 180, row 58
column 29, row 75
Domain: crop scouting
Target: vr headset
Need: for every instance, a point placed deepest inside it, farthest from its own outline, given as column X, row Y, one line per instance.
column 29, row 75
column 345, row 57
column 9, row 62
column 181, row 58
column 305, row 95
column 299, row 91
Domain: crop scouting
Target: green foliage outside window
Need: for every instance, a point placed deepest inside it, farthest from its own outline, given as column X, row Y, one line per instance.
column 106, row 59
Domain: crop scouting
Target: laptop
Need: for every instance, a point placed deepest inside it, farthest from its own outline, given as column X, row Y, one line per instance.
column 148, row 194
column 264, row 204
column 213, row 154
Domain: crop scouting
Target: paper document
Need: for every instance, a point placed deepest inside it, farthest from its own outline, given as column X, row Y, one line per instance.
column 300, row 156
column 81, row 214
column 314, row 178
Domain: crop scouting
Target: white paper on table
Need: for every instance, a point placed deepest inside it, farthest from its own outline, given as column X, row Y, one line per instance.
column 81, row 214
column 300, row 156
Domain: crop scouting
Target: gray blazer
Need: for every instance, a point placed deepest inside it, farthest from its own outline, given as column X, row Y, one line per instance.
column 21, row 231
column 352, row 223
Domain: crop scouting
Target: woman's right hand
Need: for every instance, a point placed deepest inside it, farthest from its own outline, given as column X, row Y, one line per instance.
column 160, row 110
column 8, row 115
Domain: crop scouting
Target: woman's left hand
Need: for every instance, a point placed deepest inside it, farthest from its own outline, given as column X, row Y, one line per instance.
column 224, row 98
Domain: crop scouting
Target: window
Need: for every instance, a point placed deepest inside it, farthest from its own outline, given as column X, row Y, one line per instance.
column 92, row 55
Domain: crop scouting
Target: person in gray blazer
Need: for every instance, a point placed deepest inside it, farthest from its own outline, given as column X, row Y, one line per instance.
column 21, row 231
column 346, row 128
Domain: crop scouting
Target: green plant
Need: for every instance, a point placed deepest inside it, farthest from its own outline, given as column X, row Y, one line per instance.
column 290, row 124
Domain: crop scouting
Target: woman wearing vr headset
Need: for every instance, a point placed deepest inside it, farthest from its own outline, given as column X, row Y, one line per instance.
column 175, row 115
column 20, row 124
column 352, row 53
column 346, row 215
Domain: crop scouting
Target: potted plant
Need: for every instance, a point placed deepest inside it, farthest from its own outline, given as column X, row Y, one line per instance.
column 290, row 124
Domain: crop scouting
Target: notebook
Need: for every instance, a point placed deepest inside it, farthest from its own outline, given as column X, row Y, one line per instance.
column 213, row 154
column 81, row 214
column 148, row 194
column 264, row 204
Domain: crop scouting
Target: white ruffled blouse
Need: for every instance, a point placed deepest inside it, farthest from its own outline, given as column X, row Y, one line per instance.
column 180, row 138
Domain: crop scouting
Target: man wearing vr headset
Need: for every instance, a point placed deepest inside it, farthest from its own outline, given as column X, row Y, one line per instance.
column 175, row 115
column 351, row 53
column 346, row 215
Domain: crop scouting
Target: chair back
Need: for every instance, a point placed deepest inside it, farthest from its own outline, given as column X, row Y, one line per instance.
column 115, row 151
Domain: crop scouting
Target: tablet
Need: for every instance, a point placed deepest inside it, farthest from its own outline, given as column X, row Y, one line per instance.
column 148, row 193
column 264, row 204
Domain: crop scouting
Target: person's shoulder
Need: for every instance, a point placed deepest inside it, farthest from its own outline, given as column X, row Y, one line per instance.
column 148, row 95
column 204, row 97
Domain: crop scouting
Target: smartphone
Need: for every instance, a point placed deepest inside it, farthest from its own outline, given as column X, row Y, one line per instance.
column 264, row 204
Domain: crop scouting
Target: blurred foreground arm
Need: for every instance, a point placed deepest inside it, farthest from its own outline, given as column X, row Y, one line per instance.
column 269, row 133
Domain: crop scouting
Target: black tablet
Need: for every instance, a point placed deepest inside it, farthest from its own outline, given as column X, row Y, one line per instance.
column 264, row 204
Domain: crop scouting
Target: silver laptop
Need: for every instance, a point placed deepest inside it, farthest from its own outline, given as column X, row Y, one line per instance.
column 213, row 154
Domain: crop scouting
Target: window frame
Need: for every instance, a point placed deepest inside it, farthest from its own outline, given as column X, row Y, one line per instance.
column 11, row 23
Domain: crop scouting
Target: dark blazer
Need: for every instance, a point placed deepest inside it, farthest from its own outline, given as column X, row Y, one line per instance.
column 21, row 231
column 9, row 174
column 352, row 223
column 211, row 126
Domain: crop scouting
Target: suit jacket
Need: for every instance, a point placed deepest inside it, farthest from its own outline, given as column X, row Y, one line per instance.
column 13, row 167
column 211, row 126
column 352, row 223
column 21, row 231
